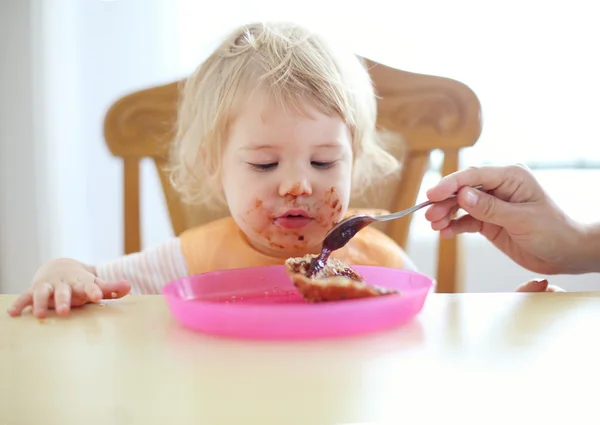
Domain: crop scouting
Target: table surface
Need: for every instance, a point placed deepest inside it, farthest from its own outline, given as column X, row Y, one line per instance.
column 477, row 358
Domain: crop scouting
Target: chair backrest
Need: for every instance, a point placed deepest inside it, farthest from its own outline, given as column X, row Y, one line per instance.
column 428, row 112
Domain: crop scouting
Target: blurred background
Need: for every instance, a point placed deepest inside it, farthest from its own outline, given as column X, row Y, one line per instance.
column 533, row 65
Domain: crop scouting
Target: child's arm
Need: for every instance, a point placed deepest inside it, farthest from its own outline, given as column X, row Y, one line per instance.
column 149, row 270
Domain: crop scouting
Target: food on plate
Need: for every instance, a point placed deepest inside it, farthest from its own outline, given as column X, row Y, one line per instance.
column 333, row 282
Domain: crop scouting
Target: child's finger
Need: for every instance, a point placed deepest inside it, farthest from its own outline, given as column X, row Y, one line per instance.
column 21, row 303
column 93, row 292
column 62, row 298
column 112, row 290
column 41, row 296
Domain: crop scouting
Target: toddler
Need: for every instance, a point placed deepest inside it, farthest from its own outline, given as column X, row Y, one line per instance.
column 280, row 126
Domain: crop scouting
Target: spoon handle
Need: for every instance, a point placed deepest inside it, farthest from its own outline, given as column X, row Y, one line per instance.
column 411, row 210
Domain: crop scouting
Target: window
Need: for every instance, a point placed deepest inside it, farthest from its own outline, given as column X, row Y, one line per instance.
column 533, row 65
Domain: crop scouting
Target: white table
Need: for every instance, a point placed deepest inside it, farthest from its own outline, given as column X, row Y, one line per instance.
column 467, row 358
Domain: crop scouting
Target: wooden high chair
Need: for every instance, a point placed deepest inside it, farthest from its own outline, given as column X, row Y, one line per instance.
column 429, row 112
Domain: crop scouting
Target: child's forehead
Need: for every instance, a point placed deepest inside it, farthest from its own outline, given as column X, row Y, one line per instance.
column 256, row 130
column 261, row 109
column 262, row 104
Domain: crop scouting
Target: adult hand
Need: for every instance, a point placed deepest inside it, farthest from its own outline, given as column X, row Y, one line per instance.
column 514, row 212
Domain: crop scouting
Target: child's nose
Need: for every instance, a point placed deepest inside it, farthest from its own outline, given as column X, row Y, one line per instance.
column 299, row 187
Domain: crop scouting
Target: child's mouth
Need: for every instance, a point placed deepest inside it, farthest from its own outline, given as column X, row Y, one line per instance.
column 293, row 219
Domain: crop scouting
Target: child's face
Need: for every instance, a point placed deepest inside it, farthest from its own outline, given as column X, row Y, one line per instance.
column 286, row 176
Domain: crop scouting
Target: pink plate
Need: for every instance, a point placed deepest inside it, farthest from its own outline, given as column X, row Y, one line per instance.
column 262, row 303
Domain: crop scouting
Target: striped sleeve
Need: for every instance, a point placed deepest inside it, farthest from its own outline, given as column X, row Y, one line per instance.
column 149, row 270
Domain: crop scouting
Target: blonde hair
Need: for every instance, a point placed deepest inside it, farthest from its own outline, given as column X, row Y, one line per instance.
column 296, row 65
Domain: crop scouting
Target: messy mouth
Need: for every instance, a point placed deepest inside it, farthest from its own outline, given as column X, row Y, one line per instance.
column 295, row 214
column 293, row 219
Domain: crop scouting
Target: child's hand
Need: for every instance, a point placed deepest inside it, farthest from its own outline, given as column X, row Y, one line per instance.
column 538, row 285
column 65, row 283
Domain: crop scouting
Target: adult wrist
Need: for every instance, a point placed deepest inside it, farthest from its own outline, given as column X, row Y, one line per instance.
column 589, row 248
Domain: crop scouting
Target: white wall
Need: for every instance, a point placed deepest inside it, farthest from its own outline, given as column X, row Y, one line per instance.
column 19, row 172
column 62, row 64
column 94, row 52
column 61, row 190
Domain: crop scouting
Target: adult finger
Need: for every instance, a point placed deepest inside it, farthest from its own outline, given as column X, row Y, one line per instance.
column 490, row 177
column 554, row 288
column 469, row 224
column 464, row 224
column 441, row 209
column 487, row 208
column 21, row 303
column 41, row 297
column 536, row 285
column 444, row 221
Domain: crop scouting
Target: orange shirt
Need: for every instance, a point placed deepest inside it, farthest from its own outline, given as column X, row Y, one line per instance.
column 220, row 245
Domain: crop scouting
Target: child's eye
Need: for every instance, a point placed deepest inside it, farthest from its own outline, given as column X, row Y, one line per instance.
column 264, row 167
column 325, row 165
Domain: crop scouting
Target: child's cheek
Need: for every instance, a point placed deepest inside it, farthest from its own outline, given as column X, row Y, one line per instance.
column 257, row 217
column 329, row 210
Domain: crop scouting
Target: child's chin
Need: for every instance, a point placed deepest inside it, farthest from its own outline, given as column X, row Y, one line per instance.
column 296, row 248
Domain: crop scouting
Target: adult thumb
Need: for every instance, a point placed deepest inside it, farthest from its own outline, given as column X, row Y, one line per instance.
column 485, row 207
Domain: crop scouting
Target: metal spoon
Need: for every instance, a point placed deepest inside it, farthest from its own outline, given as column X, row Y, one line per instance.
column 345, row 230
